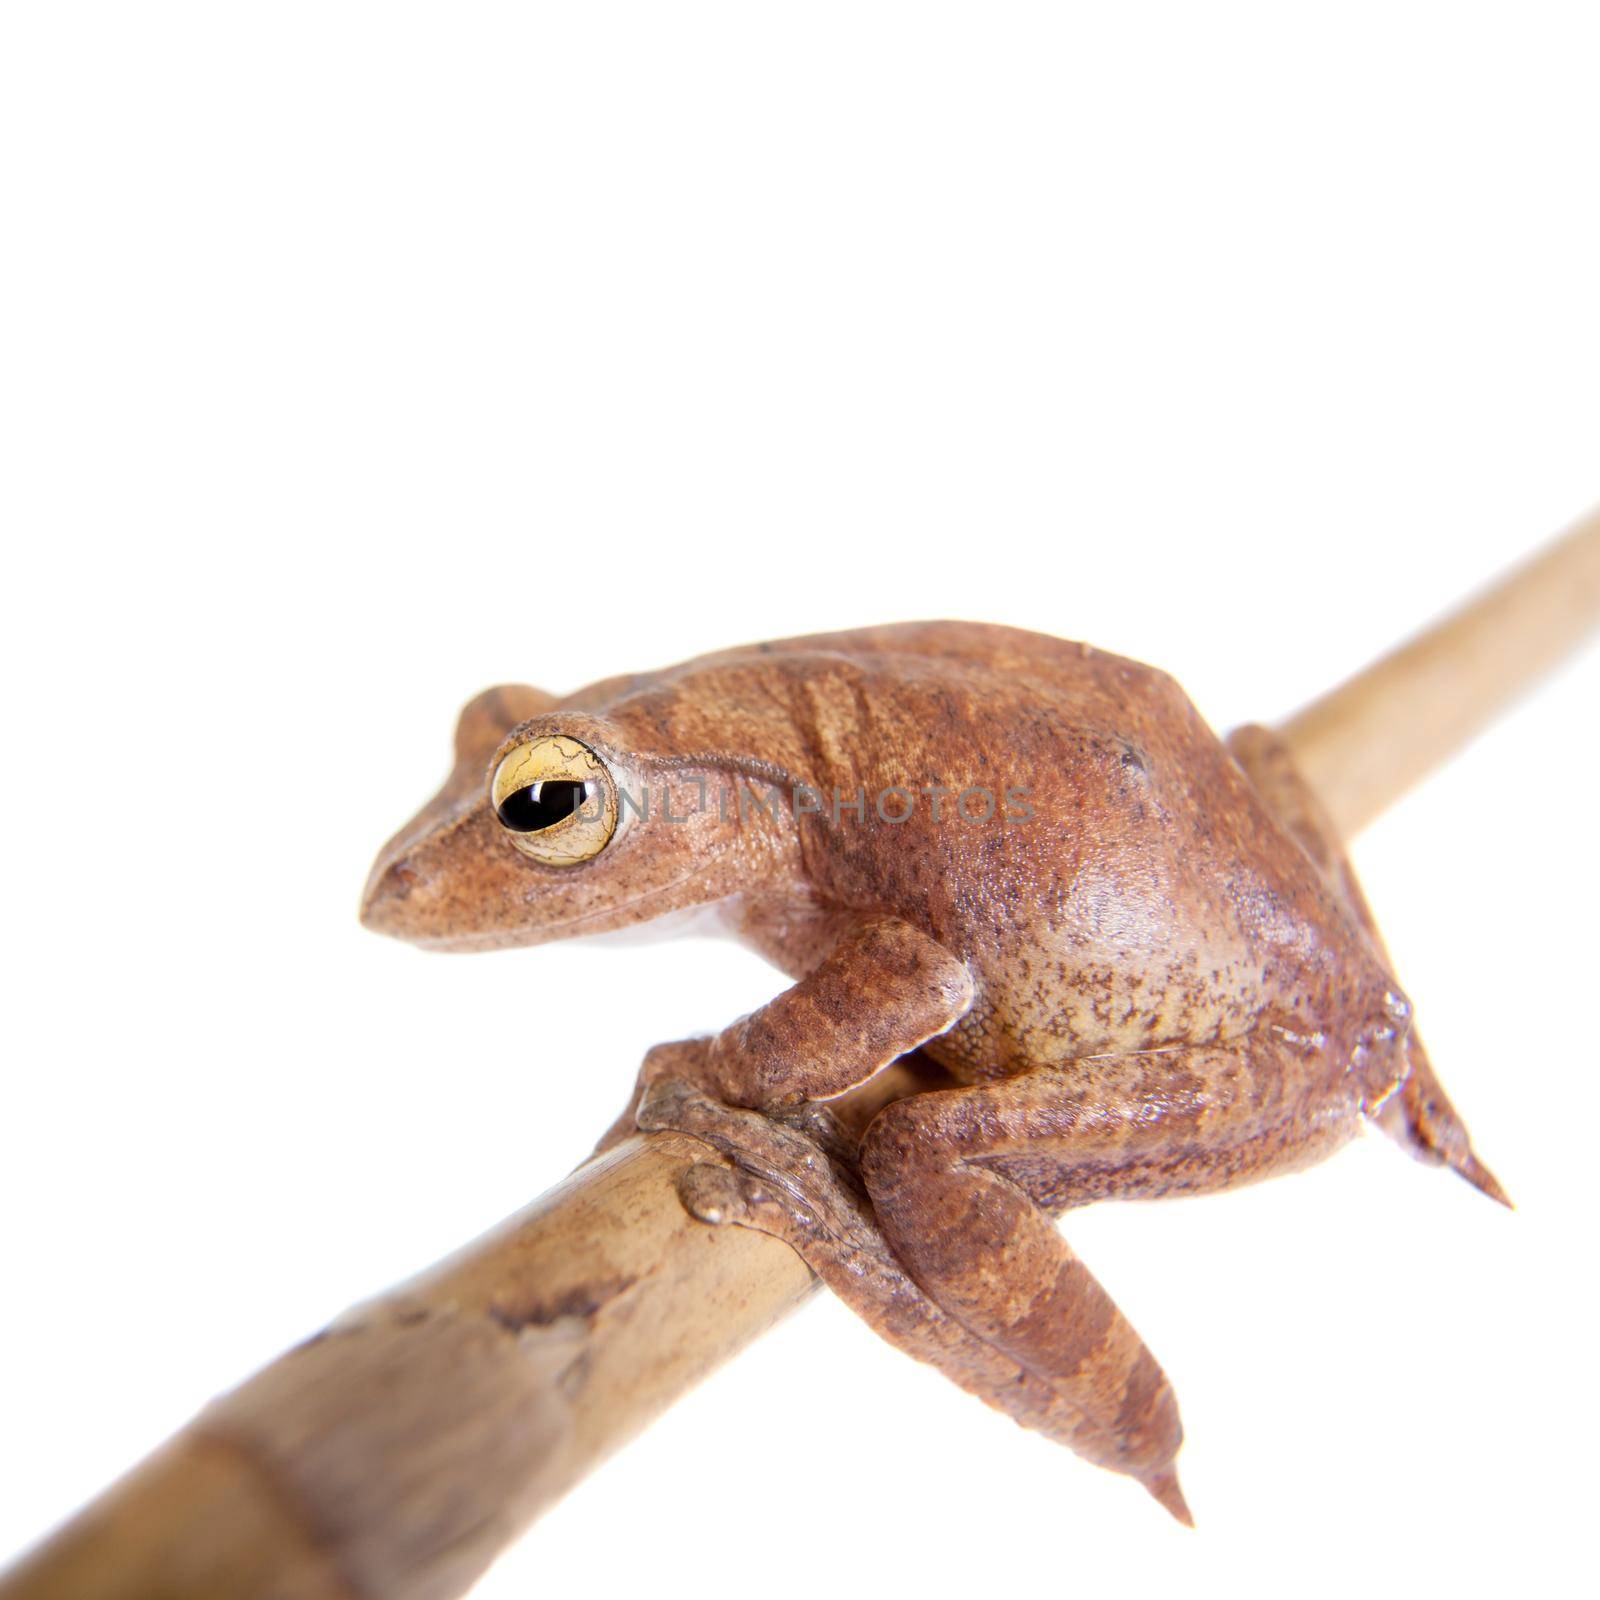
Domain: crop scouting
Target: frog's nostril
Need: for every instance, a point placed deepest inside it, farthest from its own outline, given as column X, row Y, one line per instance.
column 385, row 894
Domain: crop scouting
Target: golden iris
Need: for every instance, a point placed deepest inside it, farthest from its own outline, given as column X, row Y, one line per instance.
column 555, row 799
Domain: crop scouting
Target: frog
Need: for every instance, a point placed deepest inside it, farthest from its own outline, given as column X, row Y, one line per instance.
column 1130, row 956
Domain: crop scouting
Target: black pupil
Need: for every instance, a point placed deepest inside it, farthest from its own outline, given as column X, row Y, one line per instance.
column 541, row 805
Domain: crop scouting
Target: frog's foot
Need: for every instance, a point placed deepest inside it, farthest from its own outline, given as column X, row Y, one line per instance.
column 1418, row 1115
column 794, row 1167
column 781, row 1181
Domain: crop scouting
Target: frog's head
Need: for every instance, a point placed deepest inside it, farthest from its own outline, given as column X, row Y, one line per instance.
column 555, row 822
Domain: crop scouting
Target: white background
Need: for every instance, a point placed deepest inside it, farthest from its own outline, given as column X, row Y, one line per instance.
column 356, row 357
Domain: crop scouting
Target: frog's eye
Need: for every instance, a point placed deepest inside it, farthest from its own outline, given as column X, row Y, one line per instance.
column 555, row 799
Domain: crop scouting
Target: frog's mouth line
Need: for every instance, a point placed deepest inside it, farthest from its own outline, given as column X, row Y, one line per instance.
column 563, row 927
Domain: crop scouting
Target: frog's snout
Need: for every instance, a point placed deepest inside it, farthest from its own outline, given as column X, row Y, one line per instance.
column 383, row 901
column 448, row 882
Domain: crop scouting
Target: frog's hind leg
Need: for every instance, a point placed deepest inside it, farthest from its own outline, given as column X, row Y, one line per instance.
column 792, row 1175
column 1418, row 1115
column 965, row 1184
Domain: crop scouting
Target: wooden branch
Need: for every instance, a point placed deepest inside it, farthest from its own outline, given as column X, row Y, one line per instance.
column 398, row 1452
column 1362, row 745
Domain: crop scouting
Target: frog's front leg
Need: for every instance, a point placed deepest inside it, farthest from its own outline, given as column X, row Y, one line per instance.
column 882, row 990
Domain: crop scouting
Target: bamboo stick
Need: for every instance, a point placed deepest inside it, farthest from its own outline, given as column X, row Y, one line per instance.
column 396, row 1453
column 1363, row 744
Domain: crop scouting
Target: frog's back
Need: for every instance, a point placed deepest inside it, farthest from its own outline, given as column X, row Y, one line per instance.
column 819, row 707
column 1011, row 662
column 1140, row 894
column 1059, row 817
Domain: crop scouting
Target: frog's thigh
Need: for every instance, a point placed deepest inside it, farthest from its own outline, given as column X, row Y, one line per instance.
column 976, row 1240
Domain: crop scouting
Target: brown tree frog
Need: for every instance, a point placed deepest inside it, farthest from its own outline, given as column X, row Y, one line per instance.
column 1136, row 952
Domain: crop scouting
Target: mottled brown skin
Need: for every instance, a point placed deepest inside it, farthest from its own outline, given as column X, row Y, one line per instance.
column 1161, row 980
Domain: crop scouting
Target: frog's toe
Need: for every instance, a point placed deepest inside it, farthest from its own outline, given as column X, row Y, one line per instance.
column 779, row 1180
column 818, row 1124
column 1483, row 1180
column 712, row 1193
column 1165, row 1488
column 1420, row 1117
